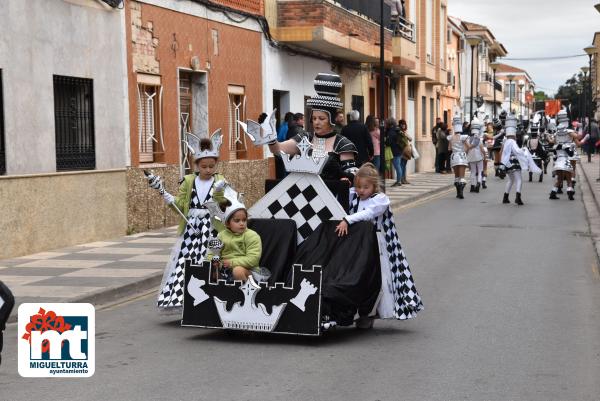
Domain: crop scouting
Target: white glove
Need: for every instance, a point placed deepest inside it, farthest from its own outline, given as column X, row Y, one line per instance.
column 169, row 199
column 220, row 185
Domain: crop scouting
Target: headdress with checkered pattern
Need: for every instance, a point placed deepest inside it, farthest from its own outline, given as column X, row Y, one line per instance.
column 328, row 87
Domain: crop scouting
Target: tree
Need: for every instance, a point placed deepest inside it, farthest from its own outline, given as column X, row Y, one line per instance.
column 540, row 96
column 573, row 93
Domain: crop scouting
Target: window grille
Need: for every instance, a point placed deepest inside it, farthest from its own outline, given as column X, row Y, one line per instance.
column 74, row 123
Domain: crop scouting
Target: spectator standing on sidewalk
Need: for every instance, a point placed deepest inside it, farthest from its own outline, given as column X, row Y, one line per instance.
column 590, row 143
column 441, row 148
column 373, row 127
column 339, row 122
column 438, row 124
column 284, row 127
column 405, row 144
column 358, row 133
column 296, row 127
column 391, row 138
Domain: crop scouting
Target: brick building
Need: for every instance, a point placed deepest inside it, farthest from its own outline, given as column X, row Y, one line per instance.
column 192, row 67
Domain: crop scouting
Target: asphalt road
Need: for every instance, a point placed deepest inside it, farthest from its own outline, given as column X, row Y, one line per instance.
column 512, row 312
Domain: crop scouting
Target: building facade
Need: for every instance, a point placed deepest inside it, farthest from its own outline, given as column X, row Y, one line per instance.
column 64, row 124
column 519, row 89
column 191, row 69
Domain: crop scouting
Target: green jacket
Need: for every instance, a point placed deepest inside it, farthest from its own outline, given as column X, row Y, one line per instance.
column 242, row 249
column 184, row 197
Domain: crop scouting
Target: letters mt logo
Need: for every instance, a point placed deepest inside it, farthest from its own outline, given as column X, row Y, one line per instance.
column 56, row 340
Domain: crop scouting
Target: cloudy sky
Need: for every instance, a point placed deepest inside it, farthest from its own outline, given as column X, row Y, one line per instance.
column 537, row 28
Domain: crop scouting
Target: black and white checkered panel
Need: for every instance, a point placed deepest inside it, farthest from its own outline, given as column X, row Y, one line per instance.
column 303, row 198
column 193, row 247
column 408, row 300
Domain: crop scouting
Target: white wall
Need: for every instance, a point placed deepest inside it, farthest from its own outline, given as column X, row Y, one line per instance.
column 79, row 38
column 284, row 72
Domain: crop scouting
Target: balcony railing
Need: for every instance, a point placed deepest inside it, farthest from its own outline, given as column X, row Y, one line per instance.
column 403, row 28
column 498, row 86
column 485, row 76
column 369, row 9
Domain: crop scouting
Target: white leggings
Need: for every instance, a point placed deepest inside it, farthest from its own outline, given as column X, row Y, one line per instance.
column 476, row 172
column 514, row 176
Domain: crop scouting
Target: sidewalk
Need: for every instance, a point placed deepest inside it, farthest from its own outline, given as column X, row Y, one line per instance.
column 103, row 272
column 588, row 173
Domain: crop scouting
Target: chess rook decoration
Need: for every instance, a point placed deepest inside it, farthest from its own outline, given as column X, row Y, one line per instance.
column 261, row 133
column 262, row 307
column 303, row 162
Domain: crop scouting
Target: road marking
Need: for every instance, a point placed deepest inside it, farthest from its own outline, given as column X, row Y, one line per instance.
column 126, row 301
column 421, row 201
column 596, row 272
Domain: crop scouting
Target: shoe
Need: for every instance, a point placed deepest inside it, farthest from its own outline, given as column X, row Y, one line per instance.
column 530, row 177
column 553, row 195
column 518, row 200
column 405, row 182
column 560, row 191
column 461, row 189
column 472, row 188
column 397, row 184
column 571, row 195
column 505, row 200
column 484, row 185
column 477, row 188
column 541, row 178
column 364, row 323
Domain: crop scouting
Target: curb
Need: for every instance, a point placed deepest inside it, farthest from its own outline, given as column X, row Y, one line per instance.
column 110, row 294
column 397, row 204
column 592, row 209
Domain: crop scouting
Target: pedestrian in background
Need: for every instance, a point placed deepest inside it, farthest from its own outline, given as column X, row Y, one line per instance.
column 373, row 127
column 358, row 133
column 406, row 146
column 339, row 122
column 284, row 127
column 391, row 138
column 438, row 124
column 297, row 126
column 441, row 148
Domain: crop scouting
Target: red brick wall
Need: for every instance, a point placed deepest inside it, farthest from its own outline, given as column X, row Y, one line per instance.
column 251, row 6
column 238, row 63
column 317, row 12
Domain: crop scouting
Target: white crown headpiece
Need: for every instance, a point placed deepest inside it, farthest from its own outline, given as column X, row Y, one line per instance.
column 261, row 134
column 562, row 118
column 193, row 144
column 475, row 126
column 303, row 162
column 236, row 202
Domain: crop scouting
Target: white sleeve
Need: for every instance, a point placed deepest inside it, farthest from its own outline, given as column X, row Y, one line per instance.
column 378, row 205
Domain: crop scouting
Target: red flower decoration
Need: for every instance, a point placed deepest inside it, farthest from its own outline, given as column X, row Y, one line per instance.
column 42, row 322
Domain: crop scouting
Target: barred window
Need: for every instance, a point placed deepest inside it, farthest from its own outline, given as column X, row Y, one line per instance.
column 237, row 112
column 2, row 146
column 74, row 123
column 149, row 122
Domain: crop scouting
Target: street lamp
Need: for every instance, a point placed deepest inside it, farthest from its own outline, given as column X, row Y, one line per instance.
column 584, row 91
column 511, row 78
column 591, row 51
column 494, row 66
column 521, row 86
column 472, row 41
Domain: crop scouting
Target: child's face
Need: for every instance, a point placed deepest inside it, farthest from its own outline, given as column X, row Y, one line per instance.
column 206, row 167
column 238, row 221
column 364, row 188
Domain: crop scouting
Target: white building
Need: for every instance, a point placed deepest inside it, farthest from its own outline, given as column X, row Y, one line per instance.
column 64, row 131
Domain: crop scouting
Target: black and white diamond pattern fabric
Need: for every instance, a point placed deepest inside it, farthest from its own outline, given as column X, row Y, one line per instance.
column 191, row 246
column 303, row 198
column 407, row 300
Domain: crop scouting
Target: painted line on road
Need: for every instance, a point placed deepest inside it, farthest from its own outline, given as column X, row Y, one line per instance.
column 125, row 301
column 421, row 201
column 595, row 271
